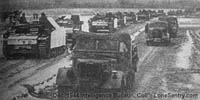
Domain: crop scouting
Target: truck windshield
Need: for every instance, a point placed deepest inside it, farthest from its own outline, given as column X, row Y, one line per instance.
column 157, row 24
column 107, row 44
column 99, row 45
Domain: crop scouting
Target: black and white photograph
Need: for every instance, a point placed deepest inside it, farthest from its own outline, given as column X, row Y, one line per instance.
column 99, row 49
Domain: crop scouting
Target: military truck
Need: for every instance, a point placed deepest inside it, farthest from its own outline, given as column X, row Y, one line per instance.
column 161, row 13
column 100, row 63
column 157, row 31
column 121, row 19
column 72, row 26
column 130, row 18
column 143, row 16
column 103, row 23
column 172, row 25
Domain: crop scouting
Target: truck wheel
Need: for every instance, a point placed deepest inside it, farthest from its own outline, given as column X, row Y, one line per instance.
column 123, row 83
column 63, row 91
column 148, row 43
column 130, row 80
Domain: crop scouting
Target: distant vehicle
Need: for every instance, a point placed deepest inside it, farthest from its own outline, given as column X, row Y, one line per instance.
column 161, row 13
column 100, row 62
column 153, row 13
column 45, row 41
column 172, row 25
column 103, row 23
column 130, row 17
column 157, row 31
column 71, row 25
column 143, row 16
column 77, row 22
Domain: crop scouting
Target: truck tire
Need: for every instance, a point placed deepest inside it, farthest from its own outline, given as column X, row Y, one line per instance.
column 63, row 91
column 61, row 81
column 149, row 43
column 130, row 80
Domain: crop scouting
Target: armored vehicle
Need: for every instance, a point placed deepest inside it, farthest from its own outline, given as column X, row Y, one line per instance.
column 44, row 40
column 103, row 23
column 130, row 17
column 157, row 31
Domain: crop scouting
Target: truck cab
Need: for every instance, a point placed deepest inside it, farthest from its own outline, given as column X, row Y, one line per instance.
column 101, row 62
column 173, row 25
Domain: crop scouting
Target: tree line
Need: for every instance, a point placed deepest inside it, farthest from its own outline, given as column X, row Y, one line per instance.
column 45, row 4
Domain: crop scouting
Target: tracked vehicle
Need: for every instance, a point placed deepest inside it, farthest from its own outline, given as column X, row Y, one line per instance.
column 143, row 16
column 44, row 40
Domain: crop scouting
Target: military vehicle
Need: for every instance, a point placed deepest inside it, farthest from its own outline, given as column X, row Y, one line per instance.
column 172, row 25
column 100, row 62
column 44, row 40
column 161, row 13
column 130, row 17
column 153, row 13
column 103, row 23
column 121, row 19
column 143, row 16
column 157, row 31
column 72, row 26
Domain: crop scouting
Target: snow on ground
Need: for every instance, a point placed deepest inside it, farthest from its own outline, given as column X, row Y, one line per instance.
column 32, row 76
column 183, row 57
column 188, row 22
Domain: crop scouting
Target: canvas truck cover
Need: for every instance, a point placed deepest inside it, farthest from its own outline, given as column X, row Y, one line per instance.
column 124, row 37
column 58, row 36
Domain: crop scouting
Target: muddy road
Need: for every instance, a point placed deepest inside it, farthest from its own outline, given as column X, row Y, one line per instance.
column 165, row 72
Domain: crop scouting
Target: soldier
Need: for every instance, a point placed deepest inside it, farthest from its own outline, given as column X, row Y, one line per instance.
column 35, row 16
column 23, row 19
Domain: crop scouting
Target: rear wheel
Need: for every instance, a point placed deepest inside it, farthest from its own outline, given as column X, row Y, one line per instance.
column 63, row 91
column 6, row 50
column 130, row 81
column 149, row 43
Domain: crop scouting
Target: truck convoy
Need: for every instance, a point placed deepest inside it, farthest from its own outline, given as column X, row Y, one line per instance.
column 100, row 64
column 103, row 23
column 44, row 40
column 172, row 24
column 157, row 31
